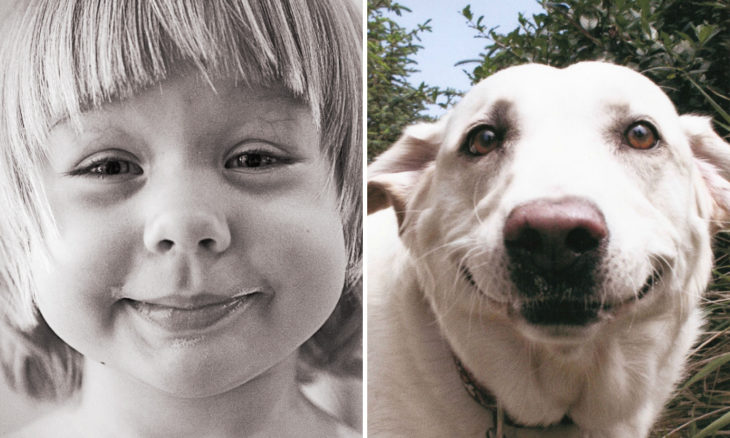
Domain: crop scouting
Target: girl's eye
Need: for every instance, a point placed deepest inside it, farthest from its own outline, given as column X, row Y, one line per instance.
column 481, row 141
column 109, row 167
column 251, row 160
column 641, row 135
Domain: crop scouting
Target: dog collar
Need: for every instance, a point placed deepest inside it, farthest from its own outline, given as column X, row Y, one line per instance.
column 485, row 399
column 500, row 420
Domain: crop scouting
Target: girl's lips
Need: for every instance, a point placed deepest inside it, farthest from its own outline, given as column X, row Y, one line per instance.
column 179, row 316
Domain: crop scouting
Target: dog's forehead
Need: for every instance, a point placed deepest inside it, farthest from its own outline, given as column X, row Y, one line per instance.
column 583, row 89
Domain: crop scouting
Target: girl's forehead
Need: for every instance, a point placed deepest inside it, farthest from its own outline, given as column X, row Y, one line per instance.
column 228, row 96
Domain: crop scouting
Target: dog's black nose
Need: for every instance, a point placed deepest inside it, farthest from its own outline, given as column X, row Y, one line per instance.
column 552, row 235
column 555, row 250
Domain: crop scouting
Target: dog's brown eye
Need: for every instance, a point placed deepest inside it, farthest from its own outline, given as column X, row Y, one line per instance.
column 641, row 135
column 482, row 141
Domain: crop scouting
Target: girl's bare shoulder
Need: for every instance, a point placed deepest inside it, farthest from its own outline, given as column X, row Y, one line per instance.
column 344, row 431
column 316, row 422
column 57, row 424
column 329, row 426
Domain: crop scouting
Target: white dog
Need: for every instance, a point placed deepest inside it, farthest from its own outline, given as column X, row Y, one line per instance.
column 542, row 272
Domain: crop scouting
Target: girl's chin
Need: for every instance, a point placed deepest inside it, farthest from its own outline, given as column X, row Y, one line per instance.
column 204, row 375
column 187, row 383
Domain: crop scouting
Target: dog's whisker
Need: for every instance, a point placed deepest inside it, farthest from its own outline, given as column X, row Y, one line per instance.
column 452, row 246
column 475, row 199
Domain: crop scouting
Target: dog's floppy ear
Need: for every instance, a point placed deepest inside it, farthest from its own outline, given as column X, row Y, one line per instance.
column 712, row 155
column 394, row 174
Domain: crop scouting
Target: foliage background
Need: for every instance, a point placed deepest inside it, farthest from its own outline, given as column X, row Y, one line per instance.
column 393, row 102
column 682, row 45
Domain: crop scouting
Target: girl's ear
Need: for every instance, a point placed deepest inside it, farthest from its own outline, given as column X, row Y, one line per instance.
column 393, row 176
column 712, row 156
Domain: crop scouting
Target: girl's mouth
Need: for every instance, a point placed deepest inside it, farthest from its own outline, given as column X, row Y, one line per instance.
column 192, row 316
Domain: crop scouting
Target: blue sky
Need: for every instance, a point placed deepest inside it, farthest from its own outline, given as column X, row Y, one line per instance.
column 451, row 40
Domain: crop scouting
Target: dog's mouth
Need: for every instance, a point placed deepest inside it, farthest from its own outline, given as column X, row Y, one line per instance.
column 565, row 308
column 469, row 278
column 650, row 282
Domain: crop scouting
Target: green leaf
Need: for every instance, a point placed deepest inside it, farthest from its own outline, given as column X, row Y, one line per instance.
column 705, row 32
column 711, row 101
column 715, row 426
column 707, row 369
column 723, row 126
column 466, row 12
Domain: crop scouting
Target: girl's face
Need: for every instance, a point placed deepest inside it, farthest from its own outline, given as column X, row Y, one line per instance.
column 199, row 242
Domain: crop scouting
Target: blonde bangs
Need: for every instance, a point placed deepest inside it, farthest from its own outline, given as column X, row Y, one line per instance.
column 88, row 52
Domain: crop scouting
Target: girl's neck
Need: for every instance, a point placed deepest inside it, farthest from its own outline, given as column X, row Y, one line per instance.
column 268, row 405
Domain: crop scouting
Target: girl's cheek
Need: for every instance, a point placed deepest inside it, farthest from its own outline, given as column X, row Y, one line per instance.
column 89, row 254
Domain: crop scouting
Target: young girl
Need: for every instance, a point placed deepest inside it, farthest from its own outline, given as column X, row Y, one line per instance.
column 180, row 232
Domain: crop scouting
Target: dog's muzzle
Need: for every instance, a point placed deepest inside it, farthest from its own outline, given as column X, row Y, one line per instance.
column 555, row 248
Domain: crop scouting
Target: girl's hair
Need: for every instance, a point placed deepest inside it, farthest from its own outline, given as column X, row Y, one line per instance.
column 62, row 58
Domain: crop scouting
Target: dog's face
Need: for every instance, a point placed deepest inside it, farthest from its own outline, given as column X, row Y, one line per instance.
column 559, row 201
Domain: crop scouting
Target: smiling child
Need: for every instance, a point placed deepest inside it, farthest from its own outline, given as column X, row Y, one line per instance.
column 180, row 241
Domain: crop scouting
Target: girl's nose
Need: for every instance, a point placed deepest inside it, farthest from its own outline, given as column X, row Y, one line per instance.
column 187, row 232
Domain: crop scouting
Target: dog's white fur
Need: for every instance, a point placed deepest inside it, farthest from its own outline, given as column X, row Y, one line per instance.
column 661, row 206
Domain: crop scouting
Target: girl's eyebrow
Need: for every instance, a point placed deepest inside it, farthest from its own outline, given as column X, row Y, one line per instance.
column 60, row 120
column 65, row 118
column 65, row 115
